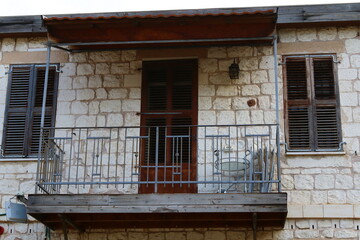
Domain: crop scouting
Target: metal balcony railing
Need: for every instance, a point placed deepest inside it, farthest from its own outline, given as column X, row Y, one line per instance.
column 159, row 159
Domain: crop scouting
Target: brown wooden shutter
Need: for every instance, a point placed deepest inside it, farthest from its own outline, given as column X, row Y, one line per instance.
column 23, row 113
column 312, row 104
column 17, row 114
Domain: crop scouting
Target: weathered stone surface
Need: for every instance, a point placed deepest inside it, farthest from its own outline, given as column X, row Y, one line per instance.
column 205, row 103
column 236, row 51
column 80, row 82
column 225, row 117
column 66, row 95
column 226, row 91
column 78, row 57
column 101, row 93
column 267, row 62
column 68, row 69
column 215, row 235
column 95, row 81
column 21, row 44
column 345, row 233
column 207, row 117
column 128, row 55
column 105, row 56
column 118, row 93
column 85, row 94
column 250, row 63
column 102, row 68
column 110, row 106
column 327, row 33
column 175, row 236
column 287, row 35
column 120, row 68
column 337, row 196
column 113, row 81
column 344, row 182
column 352, row 45
column 304, row 182
column 206, row 90
column 86, row 121
column 250, row 90
column 208, row 65
column 300, row 197
column 259, row 76
column 84, row 69
column 306, row 34
column 79, row 108
column 222, row 103
column 131, row 105
column 348, row 32
column 220, row 78
column 8, row 45
column 114, row 120
column 217, row 52
column 324, row 182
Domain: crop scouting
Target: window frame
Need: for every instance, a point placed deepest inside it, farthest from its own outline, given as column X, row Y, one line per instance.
column 312, row 103
column 31, row 110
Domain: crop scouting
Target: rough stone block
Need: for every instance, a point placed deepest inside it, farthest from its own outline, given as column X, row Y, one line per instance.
column 337, row 196
column 267, row 62
column 80, row 82
column 302, row 233
column 304, row 182
column 348, row 32
column 8, row 45
column 85, row 94
column 226, row 91
column 118, row 93
column 345, row 233
column 250, row 63
column 222, row 103
column 215, row 235
column 217, row 52
column 128, row 55
column 242, row 117
column 352, row 45
column 220, row 78
column 84, row 69
column 113, row 81
column 306, row 34
column 102, row 68
column 207, row 117
column 287, row 35
column 66, row 95
column 313, row 211
column 225, row 117
column 205, row 103
column 110, row 106
column 78, row 57
column 120, row 68
column 295, row 211
column 208, row 65
column 68, row 69
column 95, row 81
column 327, row 33
column 206, row 90
column 105, row 56
column 114, row 120
column 259, row 76
column 338, row 211
column 344, row 182
column 300, row 197
column 101, row 93
column 21, row 44
column 250, row 90
column 79, row 108
column 131, row 105
column 324, row 182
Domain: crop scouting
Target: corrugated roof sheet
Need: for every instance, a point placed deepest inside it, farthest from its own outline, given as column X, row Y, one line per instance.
column 176, row 14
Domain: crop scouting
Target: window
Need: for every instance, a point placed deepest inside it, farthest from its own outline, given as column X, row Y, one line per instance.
column 312, row 104
column 23, row 108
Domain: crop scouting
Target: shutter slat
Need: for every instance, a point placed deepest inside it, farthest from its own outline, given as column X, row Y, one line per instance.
column 299, row 131
column 327, row 127
column 296, row 80
column 324, row 79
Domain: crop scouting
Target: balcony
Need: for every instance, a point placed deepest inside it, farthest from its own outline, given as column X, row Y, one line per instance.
column 159, row 176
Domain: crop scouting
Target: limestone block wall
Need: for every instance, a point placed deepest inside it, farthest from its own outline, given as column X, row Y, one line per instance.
column 103, row 89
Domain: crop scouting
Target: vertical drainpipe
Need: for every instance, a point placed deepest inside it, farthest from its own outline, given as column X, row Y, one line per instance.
column 277, row 110
column 46, row 80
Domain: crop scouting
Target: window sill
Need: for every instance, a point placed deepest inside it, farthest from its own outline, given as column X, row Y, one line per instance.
column 18, row 159
column 314, row 153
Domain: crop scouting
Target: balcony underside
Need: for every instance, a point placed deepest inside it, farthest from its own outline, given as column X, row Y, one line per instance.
column 84, row 211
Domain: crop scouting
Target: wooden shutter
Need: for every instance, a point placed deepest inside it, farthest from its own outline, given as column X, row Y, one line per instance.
column 312, row 104
column 23, row 113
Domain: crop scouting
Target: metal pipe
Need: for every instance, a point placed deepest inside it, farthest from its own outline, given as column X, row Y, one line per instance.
column 46, row 80
column 161, row 41
column 277, row 112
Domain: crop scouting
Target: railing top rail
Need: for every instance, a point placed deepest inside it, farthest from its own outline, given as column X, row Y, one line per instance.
column 129, row 127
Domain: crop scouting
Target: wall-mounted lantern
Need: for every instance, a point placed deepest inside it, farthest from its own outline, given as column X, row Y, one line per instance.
column 234, row 70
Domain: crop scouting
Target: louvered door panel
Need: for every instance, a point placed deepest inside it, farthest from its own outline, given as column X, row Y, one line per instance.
column 40, row 77
column 15, row 133
column 182, row 89
column 299, row 129
column 182, row 145
column 35, row 133
column 296, row 80
column 327, row 127
column 157, row 91
column 150, row 145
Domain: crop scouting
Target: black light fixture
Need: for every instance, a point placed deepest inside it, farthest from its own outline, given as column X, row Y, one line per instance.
column 234, row 70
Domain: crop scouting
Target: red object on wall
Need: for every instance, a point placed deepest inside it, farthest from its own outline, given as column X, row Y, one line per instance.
column 2, row 230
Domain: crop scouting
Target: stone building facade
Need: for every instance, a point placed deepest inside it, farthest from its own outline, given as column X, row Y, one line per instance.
column 98, row 89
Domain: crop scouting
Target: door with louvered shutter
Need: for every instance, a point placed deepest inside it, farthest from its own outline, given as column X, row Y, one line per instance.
column 313, row 119
column 169, row 109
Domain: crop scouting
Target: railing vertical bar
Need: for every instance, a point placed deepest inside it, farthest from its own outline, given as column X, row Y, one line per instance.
column 148, row 156
column 117, row 155
column 189, row 154
column 125, row 155
column 165, row 153
column 101, row 159
column 181, row 160
column 85, row 157
column 173, row 161
column 132, row 159
column 205, row 160
column 70, row 156
column 109, row 153
column 156, row 159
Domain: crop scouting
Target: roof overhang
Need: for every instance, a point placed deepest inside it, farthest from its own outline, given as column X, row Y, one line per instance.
column 172, row 29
